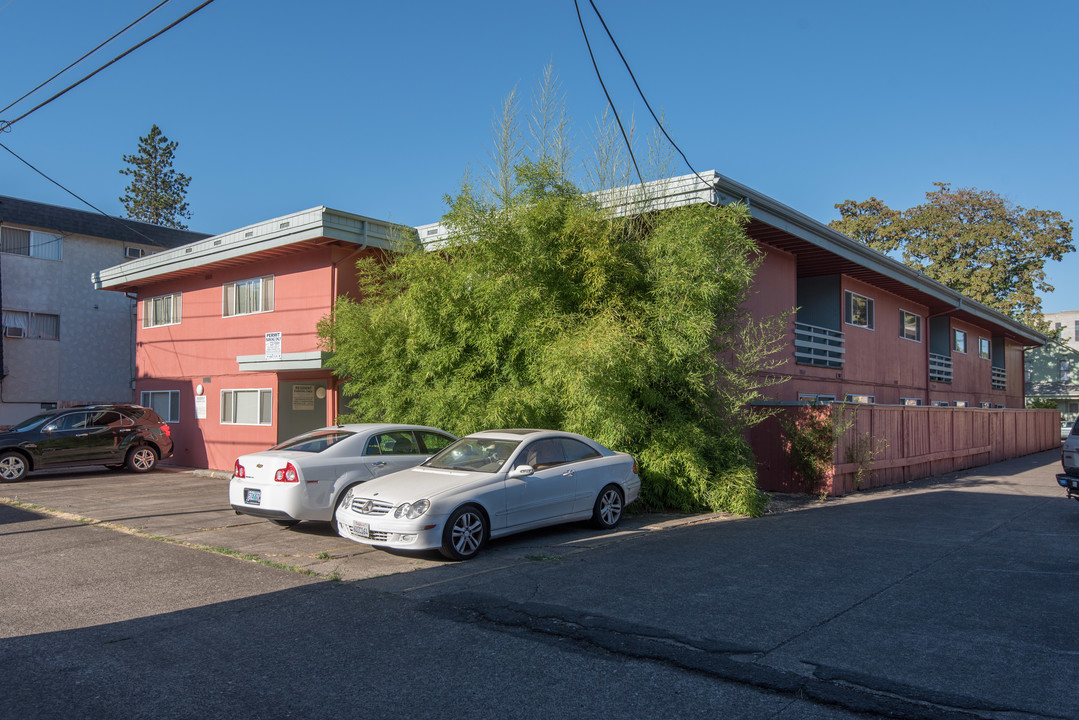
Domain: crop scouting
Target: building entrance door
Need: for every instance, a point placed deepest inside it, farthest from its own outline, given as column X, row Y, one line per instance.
column 301, row 406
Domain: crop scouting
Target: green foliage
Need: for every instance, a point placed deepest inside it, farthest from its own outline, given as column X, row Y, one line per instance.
column 973, row 241
column 810, row 435
column 544, row 312
column 1043, row 403
column 156, row 192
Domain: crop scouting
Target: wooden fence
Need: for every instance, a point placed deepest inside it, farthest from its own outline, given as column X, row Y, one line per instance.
column 891, row 444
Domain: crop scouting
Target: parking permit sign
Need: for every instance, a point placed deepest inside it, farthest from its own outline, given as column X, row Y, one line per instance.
column 273, row 346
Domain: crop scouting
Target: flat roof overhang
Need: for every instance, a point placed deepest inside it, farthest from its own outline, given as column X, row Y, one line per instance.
column 282, row 236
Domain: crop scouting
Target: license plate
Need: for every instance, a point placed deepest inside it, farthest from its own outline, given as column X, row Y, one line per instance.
column 252, row 497
column 361, row 529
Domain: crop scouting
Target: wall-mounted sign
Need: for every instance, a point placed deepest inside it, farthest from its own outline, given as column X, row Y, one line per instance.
column 273, row 346
column 303, row 397
column 200, row 407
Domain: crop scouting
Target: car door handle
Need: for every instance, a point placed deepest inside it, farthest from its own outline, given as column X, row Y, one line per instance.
column 81, row 434
column 378, row 464
column 568, row 473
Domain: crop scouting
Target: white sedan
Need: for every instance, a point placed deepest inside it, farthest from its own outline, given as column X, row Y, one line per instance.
column 305, row 478
column 487, row 485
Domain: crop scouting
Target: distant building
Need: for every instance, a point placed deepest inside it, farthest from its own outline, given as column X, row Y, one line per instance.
column 1053, row 371
column 65, row 343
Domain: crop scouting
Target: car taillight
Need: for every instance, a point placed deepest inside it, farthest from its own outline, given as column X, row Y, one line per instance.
column 286, row 474
column 635, row 466
column 239, row 471
column 167, row 430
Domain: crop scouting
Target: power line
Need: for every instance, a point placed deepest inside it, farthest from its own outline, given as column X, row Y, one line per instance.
column 116, row 35
column 77, row 197
column 639, row 91
column 7, row 125
column 602, row 85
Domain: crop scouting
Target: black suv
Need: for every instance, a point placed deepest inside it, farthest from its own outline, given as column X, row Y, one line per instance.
column 128, row 436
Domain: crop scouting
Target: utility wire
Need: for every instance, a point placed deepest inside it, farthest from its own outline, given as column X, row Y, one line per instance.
column 7, row 125
column 602, row 85
column 80, row 199
column 121, row 32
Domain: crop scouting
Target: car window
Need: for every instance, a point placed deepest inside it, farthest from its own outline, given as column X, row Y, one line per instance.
column 432, row 442
column 373, row 448
column 542, row 454
column 32, row 422
column 398, row 443
column 314, row 442
column 475, row 454
column 576, row 450
column 107, row 418
column 71, row 421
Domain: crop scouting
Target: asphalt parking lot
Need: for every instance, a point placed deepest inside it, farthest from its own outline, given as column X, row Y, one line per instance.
column 192, row 507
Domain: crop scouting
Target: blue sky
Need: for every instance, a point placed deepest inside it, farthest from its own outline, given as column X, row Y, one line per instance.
column 380, row 108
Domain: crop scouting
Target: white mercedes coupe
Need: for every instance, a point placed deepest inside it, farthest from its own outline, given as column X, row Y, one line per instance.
column 487, row 485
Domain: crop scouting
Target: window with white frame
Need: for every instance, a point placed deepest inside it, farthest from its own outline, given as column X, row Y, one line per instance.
column 983, row 348
column 247, row 407
column 959, row 341
column 859, row 310
column 1065, row 371
column 247, row 297
column 31, row 243
column 962, row 403
column 41, row 326
column 910, row 326
column 861, row 399
column 161, row 310
column 911, row 402
column 165, row 403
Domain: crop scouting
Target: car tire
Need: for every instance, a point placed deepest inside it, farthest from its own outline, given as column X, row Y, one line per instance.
column 13, row 466
column 608, row 508
column 284, row 523
column 337, row 506
column 464, row 534
column 141, row 458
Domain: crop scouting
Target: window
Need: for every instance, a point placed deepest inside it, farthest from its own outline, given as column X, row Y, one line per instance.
column 576, row 450
column 42, row 326
column 433, row 442
column 959, row 341
column 1065, row 371
column 1075, row 336
column 400, row 442
column 910, row 402
column 31, row 243
column 910, row 326
column 163, row 310
column 983, row 348
column 962, row 403
column 165, row 403
column 816, row 398
column 859, row 310
column 861, row 399
column 247, row 296
column 247, row 407
column 940, row 403
column 543, row 454
column 985, row 405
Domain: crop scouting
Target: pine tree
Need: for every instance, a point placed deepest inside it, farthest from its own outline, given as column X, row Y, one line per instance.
column 156, row 192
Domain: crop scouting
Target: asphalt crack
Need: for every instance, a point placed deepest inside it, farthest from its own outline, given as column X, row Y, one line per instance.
column 855, row 692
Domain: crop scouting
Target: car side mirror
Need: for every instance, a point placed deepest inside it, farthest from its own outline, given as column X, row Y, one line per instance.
column 521, row 471
column 48, row 429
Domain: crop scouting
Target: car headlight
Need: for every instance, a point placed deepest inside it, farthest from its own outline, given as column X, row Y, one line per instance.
column 412, row 510
column 346, row 499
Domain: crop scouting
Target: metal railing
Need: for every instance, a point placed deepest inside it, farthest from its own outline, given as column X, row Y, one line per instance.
column 940, row 368
column 999, row 379
column 818, row 346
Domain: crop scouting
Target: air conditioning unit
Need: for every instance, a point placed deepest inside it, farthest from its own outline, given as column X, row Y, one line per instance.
column 133, row 252
column 13, row 331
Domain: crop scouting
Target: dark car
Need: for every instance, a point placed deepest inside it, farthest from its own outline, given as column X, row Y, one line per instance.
column 128, row 436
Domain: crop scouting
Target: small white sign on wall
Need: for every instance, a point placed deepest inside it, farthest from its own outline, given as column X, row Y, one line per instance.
column 273, row 346
column 303, row 397
column 200, row 407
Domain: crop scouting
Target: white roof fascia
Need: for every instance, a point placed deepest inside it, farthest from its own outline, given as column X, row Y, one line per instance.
column 279, row 232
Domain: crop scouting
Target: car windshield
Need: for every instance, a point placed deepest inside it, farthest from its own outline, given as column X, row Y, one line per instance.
column 33, row 422
column 474, row 455
column 314, row 442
